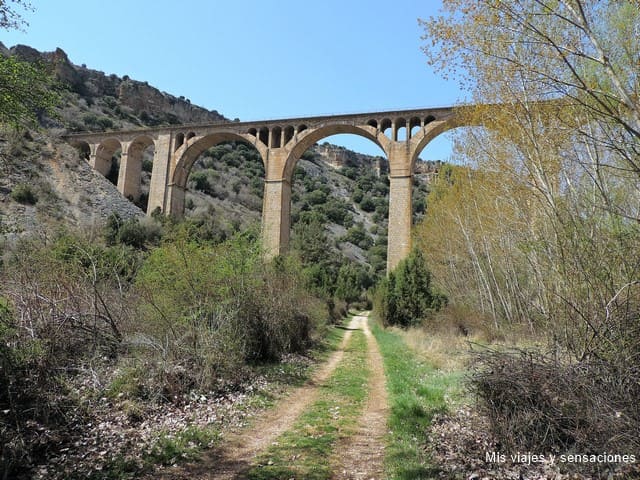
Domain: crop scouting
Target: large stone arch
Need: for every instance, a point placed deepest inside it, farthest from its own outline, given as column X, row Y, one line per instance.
column 311, row 136
column 431, row 131
column 187, row 154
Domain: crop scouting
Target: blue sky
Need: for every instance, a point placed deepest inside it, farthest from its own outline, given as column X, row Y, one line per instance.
column 256, row 59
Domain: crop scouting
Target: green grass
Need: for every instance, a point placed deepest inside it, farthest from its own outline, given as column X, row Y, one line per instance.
column 186, row 444
column 303, row 451
column 417, row 392
column 169, row 448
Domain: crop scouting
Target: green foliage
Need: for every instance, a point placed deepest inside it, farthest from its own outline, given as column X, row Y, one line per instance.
column 200, row 181
column 416, row 394
column 349, row 172
column 321, row 267
column 338, row 211
column 367, row 204
column 132, row 232
column 23, row 193
column 406, row 297
column 27, row 91
column 358, row 236
column 357, row 195
column 315, row 197
column 185, row 444
column 216, row 307
column 349, row 284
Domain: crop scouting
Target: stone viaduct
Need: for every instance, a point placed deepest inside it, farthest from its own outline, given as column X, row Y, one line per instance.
column 400, row 134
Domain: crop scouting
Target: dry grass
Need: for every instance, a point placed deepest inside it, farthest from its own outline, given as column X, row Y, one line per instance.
column 446, row 339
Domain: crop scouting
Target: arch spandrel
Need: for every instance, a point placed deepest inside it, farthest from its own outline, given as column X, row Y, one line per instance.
column 110, row 144
column 140, row 144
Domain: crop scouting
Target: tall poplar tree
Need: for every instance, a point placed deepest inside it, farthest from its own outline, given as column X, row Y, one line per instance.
column 548, row 232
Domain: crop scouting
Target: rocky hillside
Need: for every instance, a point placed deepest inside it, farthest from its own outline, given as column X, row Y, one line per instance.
column 95, row 101
column 345, row 191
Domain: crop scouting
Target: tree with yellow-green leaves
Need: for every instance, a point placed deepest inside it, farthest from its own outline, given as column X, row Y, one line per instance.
column 546, row 219
column 26, row 89
column 541, row 226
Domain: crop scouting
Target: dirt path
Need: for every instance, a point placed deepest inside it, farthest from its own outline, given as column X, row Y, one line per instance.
column 241, row 448
column 362, row 456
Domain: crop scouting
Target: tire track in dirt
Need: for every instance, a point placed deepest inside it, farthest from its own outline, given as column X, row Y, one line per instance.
column 362, row 455
column 239, row 449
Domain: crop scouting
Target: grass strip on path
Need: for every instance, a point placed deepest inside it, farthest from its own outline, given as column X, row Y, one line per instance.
column 303, row 451
column 417, row 391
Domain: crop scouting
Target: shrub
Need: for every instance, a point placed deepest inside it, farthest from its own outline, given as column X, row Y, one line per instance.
column 200, row 182
column 358, row 236
column 406, row 297
column 315, row 197
column 66, row 304
column 536, row 402
column 338, row 212
column 367, row 204
column 212, row 308
column 23, row 193
column 32, row 400
column 132, row 232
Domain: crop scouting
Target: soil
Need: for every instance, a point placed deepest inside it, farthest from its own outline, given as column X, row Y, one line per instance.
column 362, row 456
column 240, row 448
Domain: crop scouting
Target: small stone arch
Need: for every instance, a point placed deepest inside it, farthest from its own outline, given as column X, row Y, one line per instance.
column 276, row 136
column 289, row 132
column 385, row 125
column 130, row 179
column 104, row 154
column 263, row 135
column 179, row 141
column 414, row 126
column 401, row 132
column 141, row 143
column 83, row 148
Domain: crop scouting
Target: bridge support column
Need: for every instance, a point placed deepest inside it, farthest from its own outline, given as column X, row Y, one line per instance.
column 399, row 237
column 276, row 217
column 400, row 211
column 158, row 189
column 129, row 177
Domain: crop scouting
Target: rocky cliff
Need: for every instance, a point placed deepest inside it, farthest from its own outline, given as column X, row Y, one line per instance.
column 126, row 102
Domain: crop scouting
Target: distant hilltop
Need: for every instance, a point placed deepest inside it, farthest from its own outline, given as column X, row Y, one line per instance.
column 139, row 104
column 339, row 157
